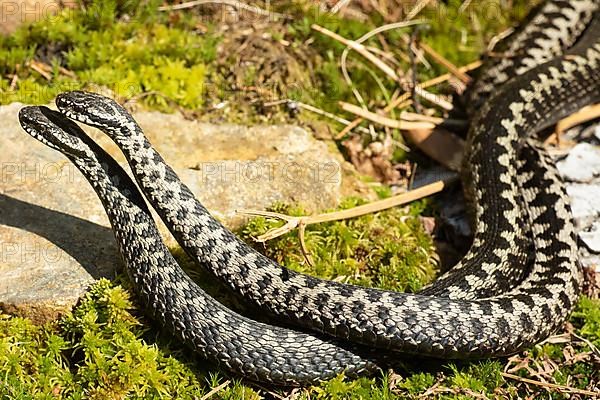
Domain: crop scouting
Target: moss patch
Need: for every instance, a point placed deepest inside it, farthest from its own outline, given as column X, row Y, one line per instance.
column 105, row 349
column 139, row 55
column 172, row 60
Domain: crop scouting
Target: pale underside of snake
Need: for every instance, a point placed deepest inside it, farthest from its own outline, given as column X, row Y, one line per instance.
column 478, row 311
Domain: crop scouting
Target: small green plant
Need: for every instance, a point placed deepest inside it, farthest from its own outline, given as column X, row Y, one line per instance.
column 94, row 352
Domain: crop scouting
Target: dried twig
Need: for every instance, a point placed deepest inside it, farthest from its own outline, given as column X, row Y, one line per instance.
column 215, row 390
column 45, row 70
column 13, row 82
column 233, row 3
column 37, row 67
column 551, row 385
column 385, row 121
column 301, row 222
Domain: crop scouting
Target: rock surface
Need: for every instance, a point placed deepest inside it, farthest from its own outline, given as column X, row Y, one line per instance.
column 582, row 163
column 581, row 169
column 14, row 13
column 55, row 238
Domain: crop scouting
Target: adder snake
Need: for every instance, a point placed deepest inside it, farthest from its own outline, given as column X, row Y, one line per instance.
column 516, row 285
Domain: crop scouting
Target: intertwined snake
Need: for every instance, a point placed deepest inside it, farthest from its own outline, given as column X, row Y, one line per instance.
column 517, row 284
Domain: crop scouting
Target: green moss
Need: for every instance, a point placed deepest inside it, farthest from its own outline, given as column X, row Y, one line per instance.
column 417, row 383
column 479, row 377
column 104, row 349
column 135, row 51
column 167, row 63
column 587, row 318
column 95, row 352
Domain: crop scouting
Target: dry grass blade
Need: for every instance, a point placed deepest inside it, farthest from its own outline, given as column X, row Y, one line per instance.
column 447, row 64
column 386, row 69
column 561, row 388
column 232, row 3
column 215, row 390
column 464, row 6
column 328, row 115
column 417, row 9
column 404, row 100
column 362, row 39
column 359, row 48
column 433, row 98
column 411, row 116
column 445, row 77
column 385, row 121
column 339, row 5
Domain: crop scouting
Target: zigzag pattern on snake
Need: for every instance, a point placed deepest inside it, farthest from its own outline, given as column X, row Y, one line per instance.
column 444, row 326
column 374, row 317
column 257, row 351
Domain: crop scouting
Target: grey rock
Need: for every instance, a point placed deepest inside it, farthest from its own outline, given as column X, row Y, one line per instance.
column 591, row 237
column 582, row 164
column 55, row 238
column 15, row 13
column 584, row 203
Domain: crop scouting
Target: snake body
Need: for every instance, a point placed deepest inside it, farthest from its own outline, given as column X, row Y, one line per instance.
column 440, row 326
column 501, row 298
column 258, row 351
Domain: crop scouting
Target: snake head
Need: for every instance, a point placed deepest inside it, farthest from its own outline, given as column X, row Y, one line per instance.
column 54, row 130
column 94, row 110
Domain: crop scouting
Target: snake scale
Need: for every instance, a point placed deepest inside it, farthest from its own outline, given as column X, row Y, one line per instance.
column 516, row 285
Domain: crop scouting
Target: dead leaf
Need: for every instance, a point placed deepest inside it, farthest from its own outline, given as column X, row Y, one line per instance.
column 374, row 159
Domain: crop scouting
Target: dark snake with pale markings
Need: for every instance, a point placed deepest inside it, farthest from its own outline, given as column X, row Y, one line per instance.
column 518, row 283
